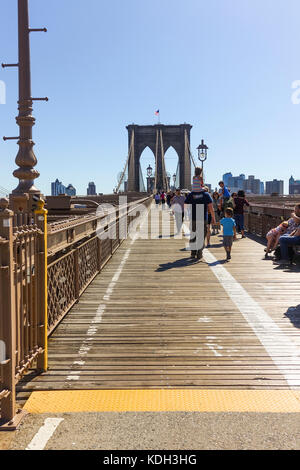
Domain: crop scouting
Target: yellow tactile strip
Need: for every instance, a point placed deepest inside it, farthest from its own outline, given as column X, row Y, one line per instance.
column 75, row 401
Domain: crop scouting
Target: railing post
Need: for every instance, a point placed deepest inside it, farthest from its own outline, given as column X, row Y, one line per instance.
column 76, row 271
column 99, row 251
column 9, row 421
column 42, row 286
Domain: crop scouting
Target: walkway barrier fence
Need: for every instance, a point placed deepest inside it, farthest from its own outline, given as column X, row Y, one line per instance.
column 260, row 219
column 77, row 250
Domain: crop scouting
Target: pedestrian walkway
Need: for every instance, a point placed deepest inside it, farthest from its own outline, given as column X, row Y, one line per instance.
column 156, row 319
column 161, row 350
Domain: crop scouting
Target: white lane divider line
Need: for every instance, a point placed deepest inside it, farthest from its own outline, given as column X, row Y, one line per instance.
column 267, row 331
column 93, row 328
column 44, row 434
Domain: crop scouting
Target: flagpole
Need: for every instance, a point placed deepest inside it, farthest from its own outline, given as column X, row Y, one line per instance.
column 157, row 113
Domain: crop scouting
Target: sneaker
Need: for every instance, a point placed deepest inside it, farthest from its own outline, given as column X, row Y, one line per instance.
column 208, row 245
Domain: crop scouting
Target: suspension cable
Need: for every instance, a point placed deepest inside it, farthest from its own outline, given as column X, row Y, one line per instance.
column 165, row 178
column 127, row 162
column 189, row 149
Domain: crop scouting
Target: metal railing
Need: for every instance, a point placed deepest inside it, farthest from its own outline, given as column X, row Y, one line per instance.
column 260, row 219
column 77, row 251
column 21, row 287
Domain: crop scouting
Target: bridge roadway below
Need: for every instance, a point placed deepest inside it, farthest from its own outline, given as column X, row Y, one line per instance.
column 162, row 352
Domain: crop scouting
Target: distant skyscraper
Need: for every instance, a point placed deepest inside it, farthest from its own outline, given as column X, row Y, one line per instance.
column 235, row 183
column 252, row 185
column 274, row 186
column 91, row 190
column 58, row 188
column 70, row 190
column 226, row 178
column 294, row 186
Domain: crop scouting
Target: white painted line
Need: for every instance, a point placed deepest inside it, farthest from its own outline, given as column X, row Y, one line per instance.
column 44, row 434
column 93, row 328
column 267, row 331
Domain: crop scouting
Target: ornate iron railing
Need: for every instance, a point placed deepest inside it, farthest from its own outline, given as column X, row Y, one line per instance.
column 260, row 219
column 70, row 273
column 77, row 252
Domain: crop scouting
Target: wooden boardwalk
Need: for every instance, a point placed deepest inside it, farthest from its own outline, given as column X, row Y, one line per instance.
column 154, row 318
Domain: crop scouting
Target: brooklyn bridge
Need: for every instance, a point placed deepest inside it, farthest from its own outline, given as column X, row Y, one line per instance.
column 112, row 335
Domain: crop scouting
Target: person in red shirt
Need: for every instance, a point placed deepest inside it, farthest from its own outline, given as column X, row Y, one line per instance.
column 239, row 202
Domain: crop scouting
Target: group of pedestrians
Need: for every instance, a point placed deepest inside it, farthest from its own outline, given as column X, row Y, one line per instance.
column 208, row 213
column 223, row 209
column 163, row 198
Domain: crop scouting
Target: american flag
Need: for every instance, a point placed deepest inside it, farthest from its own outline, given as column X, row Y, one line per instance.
column 157, row 113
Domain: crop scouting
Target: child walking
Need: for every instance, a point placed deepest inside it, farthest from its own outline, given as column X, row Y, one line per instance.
column 229, row 231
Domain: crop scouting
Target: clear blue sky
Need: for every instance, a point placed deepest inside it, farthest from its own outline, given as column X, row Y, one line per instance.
column 225, row 66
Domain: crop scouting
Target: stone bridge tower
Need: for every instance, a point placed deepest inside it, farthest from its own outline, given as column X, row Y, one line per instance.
column 159, row 138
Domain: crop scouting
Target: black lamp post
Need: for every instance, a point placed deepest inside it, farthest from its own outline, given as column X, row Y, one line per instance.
column 174, row 179
column 202, row 153
column 149, row 171
column 149, row 179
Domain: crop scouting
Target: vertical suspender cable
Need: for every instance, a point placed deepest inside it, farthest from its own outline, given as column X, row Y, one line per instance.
column 165, row 178
column 127, row 162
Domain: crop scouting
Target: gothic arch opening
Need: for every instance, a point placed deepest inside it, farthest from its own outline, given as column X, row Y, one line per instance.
column 147, row 159
column 172, row 166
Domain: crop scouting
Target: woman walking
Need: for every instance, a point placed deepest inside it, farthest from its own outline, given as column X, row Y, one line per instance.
column 177, row 204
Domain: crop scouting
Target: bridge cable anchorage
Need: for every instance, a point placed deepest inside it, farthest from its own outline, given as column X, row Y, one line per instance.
column 121, row 180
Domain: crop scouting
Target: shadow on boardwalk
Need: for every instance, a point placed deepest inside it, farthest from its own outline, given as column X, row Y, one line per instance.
column 180, row 263
column 293, row 314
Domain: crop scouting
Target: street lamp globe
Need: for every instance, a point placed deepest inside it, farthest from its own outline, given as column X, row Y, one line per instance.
column 149, row 171
column 202, row 151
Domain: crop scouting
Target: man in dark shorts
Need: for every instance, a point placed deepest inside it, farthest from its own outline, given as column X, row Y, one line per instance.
column 201, row 204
